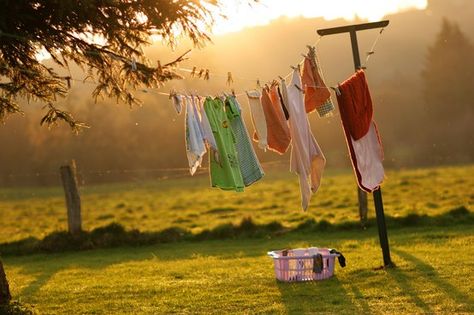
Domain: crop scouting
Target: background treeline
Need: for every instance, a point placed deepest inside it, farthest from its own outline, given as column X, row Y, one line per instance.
column 421, row 79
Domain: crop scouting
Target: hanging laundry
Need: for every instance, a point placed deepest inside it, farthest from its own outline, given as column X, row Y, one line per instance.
column 278, row 134
column 248, row 162
column 195, row 147
column 258, row 118
column 362, row 137
column 307, row 159
column 204, row 122
column 317, row 96
column 178, row 101
column 224, row 163
column 277, row 97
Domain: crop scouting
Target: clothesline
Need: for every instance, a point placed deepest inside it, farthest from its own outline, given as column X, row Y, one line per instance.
column 202, row 70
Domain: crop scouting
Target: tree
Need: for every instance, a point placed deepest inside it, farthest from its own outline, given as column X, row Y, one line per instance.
column 449, row 94
column 104, row 37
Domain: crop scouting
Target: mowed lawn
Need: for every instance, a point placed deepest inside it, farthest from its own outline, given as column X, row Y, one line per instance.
column 191, row 204
column 434, row 271
column 434, row 276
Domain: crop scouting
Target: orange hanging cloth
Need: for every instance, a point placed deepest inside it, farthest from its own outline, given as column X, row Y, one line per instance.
column 317, row 96
column 278, row 133
column 362, row 137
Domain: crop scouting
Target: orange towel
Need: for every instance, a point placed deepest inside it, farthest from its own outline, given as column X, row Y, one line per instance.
column 316, row 92
column 278, row 133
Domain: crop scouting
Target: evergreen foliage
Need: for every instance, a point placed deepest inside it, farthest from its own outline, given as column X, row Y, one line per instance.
column 104, row 37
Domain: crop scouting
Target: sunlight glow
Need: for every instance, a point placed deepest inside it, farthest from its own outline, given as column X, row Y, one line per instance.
column 241, row 15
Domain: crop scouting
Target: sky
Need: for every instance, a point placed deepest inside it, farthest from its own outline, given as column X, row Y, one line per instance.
column 241, row 15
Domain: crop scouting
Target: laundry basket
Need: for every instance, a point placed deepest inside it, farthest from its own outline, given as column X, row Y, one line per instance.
column 303, row 264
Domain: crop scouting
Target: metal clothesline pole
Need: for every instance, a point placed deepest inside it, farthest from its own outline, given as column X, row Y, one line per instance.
column 377, row 194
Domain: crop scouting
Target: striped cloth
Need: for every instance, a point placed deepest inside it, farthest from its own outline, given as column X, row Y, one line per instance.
column 326, row 108
column 250, row 167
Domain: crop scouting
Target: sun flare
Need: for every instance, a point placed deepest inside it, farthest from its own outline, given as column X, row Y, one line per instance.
column 241, row 15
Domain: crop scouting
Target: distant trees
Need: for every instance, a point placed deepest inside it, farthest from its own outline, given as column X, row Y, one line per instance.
column 104, row 37
column 448, row 89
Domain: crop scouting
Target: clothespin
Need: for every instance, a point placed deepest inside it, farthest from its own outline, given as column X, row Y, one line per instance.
column 201, row 72
column 133, row 64
column 232, row 91
column 68, row 81
column 230, row 80
column 259, row 86
column 206, row 75
column 193, row 73
column 337, row 90
column 299, row 88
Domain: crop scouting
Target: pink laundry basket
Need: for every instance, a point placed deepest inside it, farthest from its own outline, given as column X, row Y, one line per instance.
column 294, row 265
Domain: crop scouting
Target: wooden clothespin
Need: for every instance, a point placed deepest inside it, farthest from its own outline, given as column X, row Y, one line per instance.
column 207, row 75
column 299, row 88
column 68, row 81
column 193, row 72
column 201, row 72
column 259, row 86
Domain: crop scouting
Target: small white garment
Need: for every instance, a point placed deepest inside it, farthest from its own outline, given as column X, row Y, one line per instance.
column 258, row 118
column 369, row 156
column 178, row 101
column 195, row 147
column 307, row 159
column 207, row 134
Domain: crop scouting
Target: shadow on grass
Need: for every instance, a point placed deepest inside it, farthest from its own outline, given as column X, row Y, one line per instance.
column 430, row 275
column 316, row 297
column 115, row 235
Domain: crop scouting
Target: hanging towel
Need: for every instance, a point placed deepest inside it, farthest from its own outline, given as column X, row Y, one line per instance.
column 195, row 147
column 258, row 119
column 317, row 95
column 307, row 159
column 249, row 165
column 205, row 126
column 278, row 134
column 224, row 163
column 362, row 137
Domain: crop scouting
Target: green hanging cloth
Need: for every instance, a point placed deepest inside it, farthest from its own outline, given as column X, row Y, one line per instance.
column 249, row 165
column 224, row 164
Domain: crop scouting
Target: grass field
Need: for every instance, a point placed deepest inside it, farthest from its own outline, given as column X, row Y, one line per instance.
column 434, row 264
column 189, row 203
column 434, row 275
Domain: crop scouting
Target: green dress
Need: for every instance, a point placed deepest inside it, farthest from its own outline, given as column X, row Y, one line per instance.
column 249, row 165
column 224, row 164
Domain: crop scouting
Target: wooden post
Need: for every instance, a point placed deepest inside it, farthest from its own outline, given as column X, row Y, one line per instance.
column 73, row 200
column 363, row 209
column 5, row 296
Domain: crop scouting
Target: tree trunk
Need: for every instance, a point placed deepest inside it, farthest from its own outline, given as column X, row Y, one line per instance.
column 5, row 296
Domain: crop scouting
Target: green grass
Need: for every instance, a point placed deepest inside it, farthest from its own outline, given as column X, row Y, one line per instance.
column 190, row 204
column 434, row 275
column 234, row 276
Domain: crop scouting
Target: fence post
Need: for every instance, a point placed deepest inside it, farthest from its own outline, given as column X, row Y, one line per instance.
column 73, row 200
column 5, row 296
